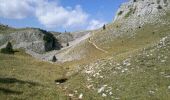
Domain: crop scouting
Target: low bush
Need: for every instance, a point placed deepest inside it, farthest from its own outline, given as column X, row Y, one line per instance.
column 8, row 49
column 120, row 13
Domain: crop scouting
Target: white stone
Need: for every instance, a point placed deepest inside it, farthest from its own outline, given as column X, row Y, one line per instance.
column 89, row 86
column 101, row 76
column 104, row 95
column 70, row 95
column 110, row 93
column 81, row 96
column 163, row 61
column 168, row 87
column 101, row 89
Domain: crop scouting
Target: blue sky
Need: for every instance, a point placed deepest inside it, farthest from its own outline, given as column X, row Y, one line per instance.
column 58, row 15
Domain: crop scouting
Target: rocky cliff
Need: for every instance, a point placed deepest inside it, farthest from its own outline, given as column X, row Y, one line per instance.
column 36, row 40
column 140, row 12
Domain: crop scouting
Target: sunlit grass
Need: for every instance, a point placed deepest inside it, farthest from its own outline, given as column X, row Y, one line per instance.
column 24, row 68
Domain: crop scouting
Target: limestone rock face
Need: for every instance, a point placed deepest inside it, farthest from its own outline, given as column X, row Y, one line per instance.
column 142, row 8
column 136, row 13
column 35, row 40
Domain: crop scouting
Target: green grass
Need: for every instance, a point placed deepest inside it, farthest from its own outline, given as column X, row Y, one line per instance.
column 144, row 74
column 130, row 12
column 143, row 80
column 23, row 77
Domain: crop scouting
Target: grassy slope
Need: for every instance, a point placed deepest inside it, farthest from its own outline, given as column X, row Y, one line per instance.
column 35, row 79
column 118, row 46
column 145, row 79
column 142, row 80
column 22, row 77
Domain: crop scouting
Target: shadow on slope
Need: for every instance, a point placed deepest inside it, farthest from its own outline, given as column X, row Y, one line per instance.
column 14, row 80
column 8, row 91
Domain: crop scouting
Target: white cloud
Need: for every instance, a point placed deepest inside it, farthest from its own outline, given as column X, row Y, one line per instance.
column 49, row 13
column 15, row 9
column 52, row 15
column 94, row 24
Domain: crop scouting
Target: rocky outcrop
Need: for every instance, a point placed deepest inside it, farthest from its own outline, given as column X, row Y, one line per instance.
column 69, row 37
column 136, row 13
column 65, row 38
column 36, row 40
column 142, row 8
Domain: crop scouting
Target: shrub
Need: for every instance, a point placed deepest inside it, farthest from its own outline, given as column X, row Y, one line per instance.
column 120, row 13
column 67, row 44
column 134, row 0
column 104, row 27
column 47, row 38
column 159, row 7
column 54, row 59
column 8, row 49
column 129, row 13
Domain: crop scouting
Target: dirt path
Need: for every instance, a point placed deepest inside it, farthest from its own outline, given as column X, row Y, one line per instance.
column 97, row 47
column 100, row 49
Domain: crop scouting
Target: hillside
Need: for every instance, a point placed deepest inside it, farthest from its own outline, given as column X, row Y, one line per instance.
column 124, row 26
column 129, row 60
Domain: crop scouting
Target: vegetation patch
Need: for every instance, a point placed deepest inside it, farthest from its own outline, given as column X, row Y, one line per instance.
column 131, row 10
column 8, row 49
column 23, row 77
column 47, row 38
column 120, row 13
column 54, row 59
column 159, row 7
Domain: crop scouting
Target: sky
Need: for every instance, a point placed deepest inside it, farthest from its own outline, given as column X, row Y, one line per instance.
column 58, row 15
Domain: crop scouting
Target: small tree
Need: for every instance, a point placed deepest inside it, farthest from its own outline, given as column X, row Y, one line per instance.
column 8, row 49
column 54, row 59
column 104, row 27
column 159, row 7
column 67, row 44
column 120, row 13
